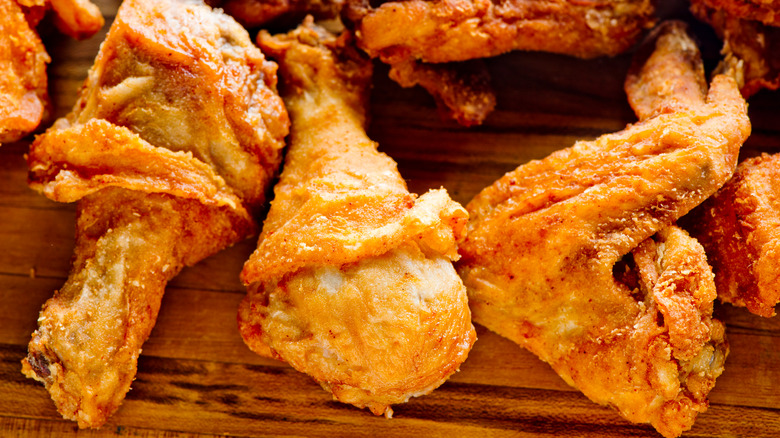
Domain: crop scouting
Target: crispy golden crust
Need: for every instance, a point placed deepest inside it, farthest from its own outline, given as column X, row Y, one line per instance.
column 169, row 151
column 751, row 49
column 545, row 258
column 738, row 227
column 352, row 281
column 457, row 30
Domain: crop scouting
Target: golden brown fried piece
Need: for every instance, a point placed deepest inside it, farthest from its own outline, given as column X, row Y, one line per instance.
column 751, row 48
column 352, row 281
column 169, row 151
column 462, row 90
column 412, row 34
column 24, row 97
column 738, row 227
column 557, row 256
column 457, row 30
column 257, row 13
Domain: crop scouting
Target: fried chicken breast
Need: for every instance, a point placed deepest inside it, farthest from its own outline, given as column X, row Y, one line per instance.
column 169, row 152
column 352, row 281
column 575, row 257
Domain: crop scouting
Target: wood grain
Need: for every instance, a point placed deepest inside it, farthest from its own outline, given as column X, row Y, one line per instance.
column 197, row 378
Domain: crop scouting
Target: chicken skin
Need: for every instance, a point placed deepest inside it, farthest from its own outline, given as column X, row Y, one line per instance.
column 575, row 257
column 24, row 96
column 169, row 152
column 352, row 281
column 738, row 228
column 751, row 35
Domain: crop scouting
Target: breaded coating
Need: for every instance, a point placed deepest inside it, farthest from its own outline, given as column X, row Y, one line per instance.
column 169, row 152
column 352, row 281
column 575, row 257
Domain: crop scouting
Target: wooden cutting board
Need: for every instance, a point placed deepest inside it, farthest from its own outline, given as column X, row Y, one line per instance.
column 196, row 377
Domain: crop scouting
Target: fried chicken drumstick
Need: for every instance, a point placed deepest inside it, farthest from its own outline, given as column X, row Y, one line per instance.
column 169, row 150
column 24, row 96
column 352, row 281
column 575, row 257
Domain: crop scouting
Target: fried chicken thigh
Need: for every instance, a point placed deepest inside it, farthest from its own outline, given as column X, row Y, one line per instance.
column 738, row 227
column 352, row 281
column 24, row 96
column 575, row 257
column 169, row 152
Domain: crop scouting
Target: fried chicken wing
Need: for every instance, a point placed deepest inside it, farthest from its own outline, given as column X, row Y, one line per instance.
column 575, row 257
column 169, row 152
column 412, row 35
column 738, row 228
column 457, row 30
column 24, row 96
column 751, row 41
column 352, row 281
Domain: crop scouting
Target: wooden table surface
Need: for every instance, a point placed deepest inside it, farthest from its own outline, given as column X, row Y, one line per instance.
column 196, row 377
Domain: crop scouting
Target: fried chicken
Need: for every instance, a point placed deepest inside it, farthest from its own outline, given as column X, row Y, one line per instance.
column 457, row 30
column 24, row 97
column 169, row 152
column 751, row 41
column 738, row 229
column 352, row 280
column 575, row 257
column 413, row 35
